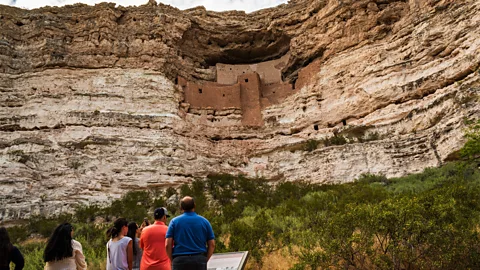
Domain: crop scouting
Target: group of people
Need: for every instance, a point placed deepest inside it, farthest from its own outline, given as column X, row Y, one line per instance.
column 187, row 243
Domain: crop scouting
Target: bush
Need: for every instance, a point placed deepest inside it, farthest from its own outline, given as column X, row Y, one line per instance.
column 471, row 149
column 335, row 140
column 428, row 220
column 311, row 145
column 33, row 253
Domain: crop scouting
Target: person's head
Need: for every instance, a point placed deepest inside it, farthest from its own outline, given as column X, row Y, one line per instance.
column 120, row 227
column 160, row 214
column 145, row 222
column 5, row 247
column 133, row 230
column 59, row 245
column 187, row 204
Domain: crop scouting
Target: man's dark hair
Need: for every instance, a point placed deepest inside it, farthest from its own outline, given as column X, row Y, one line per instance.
column 187, row 204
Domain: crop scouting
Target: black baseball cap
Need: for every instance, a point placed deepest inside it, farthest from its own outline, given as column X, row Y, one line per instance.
column 160, row 212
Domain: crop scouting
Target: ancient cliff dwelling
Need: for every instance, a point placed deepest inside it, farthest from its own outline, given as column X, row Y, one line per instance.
column 99, row 100
column 248, row 88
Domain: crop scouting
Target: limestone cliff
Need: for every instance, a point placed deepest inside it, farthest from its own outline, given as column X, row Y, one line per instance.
column 91, row 106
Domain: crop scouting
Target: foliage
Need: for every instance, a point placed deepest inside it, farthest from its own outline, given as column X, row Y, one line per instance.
column 33, row 254
column 428, row 220
column 311, row 145
column 471, row 149
column 335, row 140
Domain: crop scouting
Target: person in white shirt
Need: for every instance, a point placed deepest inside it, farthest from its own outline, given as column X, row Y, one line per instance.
column 62, row 252
column 119, row 247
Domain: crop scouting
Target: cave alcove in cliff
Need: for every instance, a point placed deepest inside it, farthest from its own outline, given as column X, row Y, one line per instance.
column 232, row 46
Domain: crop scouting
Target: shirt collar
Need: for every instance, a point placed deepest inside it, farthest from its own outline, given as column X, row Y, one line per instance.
column 159, row 222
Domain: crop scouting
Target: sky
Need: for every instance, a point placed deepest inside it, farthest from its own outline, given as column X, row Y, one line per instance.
column 216, row 5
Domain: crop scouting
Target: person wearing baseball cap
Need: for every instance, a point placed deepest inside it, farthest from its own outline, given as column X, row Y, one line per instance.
column 152, row 241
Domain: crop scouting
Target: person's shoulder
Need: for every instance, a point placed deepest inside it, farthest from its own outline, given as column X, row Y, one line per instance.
column 146, row 229
column 76, row 244
column 16, row 252
column 126, row 239
column 203, row 218
column 176, row 219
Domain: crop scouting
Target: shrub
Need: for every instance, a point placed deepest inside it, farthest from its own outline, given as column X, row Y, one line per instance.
column 428, row 220
column 471, row 149
column 335, row 140
column 311, row 145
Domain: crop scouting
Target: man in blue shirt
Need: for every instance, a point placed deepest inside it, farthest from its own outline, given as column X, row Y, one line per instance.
column 190, row 239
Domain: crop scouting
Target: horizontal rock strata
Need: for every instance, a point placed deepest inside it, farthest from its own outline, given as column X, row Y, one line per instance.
column 89, row 106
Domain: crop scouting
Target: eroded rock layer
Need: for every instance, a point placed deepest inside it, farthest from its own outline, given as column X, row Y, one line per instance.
column 90, row 107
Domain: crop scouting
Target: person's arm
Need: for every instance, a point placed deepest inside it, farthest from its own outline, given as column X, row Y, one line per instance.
column 211, row 248
column 210, row 241
column 130, row 255
column 141, row 244
column 17, row 259
column 79, row 257
column 168, row 247
column 108, row 254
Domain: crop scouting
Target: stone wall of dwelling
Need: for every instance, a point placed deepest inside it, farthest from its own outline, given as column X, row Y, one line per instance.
column 209, row 95
column 306, row 74
column 269, row 71
column 250, row 86
column 275, row 93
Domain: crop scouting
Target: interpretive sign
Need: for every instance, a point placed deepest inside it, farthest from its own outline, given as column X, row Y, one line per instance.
column 228, row 261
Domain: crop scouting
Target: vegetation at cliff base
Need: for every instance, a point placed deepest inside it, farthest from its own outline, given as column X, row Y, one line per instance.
column 429, row 220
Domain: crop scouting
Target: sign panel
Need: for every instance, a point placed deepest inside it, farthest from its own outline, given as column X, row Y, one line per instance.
column 228, row 261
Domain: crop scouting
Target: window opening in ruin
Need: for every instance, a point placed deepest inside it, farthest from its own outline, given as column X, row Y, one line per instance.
column 246, row 80
column 315, row 127
column 134, row 19
column 344, row 122
column 199, row 90
column 304, row 108
column 223, row 94
column 176, row 80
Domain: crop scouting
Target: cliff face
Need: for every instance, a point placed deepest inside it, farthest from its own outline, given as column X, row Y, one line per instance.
column 90, row 107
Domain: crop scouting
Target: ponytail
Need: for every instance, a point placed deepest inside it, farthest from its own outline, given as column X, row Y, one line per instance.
column 116, row 229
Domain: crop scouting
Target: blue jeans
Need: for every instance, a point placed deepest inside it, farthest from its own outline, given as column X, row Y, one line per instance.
column 189, row 262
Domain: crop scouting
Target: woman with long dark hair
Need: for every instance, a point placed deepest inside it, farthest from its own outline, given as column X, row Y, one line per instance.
column 62, row 252
column 119, row 247
column 134, row 233
column 9, row 253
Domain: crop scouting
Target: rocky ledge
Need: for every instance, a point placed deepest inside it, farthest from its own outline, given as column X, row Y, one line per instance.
column 90, row 107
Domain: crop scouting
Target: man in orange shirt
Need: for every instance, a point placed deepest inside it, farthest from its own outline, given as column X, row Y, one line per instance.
column 152, row 241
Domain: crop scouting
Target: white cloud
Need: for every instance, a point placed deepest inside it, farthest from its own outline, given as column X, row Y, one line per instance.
column 216, row 5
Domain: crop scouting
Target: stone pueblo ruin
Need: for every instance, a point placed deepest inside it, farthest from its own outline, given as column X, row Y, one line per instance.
column 96, row 101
